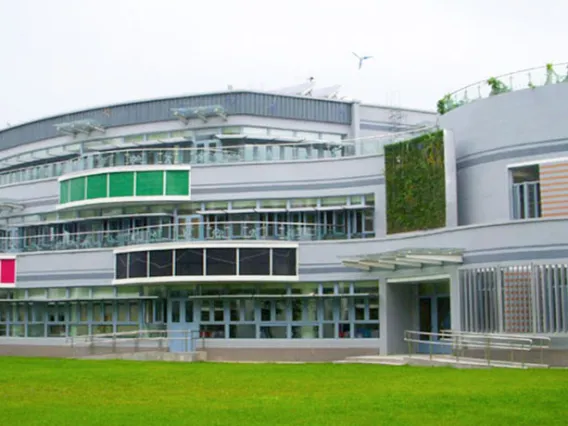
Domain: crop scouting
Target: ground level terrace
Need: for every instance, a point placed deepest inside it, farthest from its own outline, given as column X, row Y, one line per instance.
column 522, row 298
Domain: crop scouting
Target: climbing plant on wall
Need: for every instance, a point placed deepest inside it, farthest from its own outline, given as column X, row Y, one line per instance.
column 415, row 184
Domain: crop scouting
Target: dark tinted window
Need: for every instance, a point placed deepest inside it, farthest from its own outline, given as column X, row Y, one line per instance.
column 221, row 261
column 284, row 261
column 138, row 264
column 161, row 263
column 121, row 267
column 254, row 261
column 189, row 262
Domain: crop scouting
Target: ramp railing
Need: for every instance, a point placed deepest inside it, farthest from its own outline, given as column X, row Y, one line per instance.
column 456, row 343
column 186, row 341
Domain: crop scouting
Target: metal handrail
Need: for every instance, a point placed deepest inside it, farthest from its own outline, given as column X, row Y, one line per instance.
column 545, row 341
column 536, row 76
column 459, row 341
column 137, row 337
column 198, row 155
column 253, row 230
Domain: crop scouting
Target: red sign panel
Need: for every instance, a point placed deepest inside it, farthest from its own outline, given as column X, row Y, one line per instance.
column 8, row 272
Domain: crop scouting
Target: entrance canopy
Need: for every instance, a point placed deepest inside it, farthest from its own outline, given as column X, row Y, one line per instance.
column 406, row 258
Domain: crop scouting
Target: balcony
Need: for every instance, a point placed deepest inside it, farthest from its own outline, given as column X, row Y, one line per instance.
column 524, row 79
column 217, row 151
column 193, row 231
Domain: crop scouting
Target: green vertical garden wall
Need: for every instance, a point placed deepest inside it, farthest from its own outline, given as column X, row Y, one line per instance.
column 139, row 183
column 415, row 184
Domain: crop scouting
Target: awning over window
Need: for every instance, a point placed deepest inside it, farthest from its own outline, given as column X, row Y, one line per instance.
column 406, row 258
column 8, row 206
column 79, row 126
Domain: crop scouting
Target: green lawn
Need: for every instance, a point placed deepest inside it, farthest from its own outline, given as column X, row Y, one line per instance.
column 75, row 392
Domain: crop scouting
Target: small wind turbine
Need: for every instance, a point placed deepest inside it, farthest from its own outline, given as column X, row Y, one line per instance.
column 361, row 59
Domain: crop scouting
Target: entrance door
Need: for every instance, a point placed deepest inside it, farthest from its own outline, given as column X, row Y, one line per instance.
column 190, row 227
column 182, row 331
column 434, row 316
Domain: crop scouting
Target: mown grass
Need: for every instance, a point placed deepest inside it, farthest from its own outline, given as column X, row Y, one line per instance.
column 77, row 392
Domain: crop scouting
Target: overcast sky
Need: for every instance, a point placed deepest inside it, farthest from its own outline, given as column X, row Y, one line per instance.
column 63, row 55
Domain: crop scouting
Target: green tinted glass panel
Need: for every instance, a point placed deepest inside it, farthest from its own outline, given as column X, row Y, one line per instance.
column 177, row 182
column 64, row 192
column 77, row 189
column 97, row 186
column 121, row 184
column 149, row 183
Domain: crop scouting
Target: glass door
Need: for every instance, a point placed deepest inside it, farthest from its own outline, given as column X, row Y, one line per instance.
column 182, row 330
column 434, row 316
column 190, row 227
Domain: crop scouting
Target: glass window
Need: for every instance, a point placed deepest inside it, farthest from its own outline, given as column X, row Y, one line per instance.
column 57, row 293
column 304, row 202
column 243, row 204
column 231, row 130
column 273, row 204
column 37, row 293
column 99, row 292
column 175, row 311
column 371, row 287
column 370, row 200
column 334, row 201
column 133, row 138
column 122, row 312
column 79, row 292
column 128, row 290
column 221, row 261
column 356, row 200
column 217, row 205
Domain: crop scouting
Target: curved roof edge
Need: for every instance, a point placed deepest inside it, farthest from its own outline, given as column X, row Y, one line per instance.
column 167, row 98
column 224, row 103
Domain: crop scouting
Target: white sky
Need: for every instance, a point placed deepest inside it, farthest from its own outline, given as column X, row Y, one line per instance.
column 63, row 55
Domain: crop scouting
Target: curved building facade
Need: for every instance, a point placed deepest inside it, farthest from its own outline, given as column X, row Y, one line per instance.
column 285, row 227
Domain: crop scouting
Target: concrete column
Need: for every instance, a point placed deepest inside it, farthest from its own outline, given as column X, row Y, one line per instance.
column 355, row 124
column 451, row 179
column 455, row 302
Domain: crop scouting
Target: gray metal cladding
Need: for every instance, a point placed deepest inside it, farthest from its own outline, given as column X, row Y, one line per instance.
column 235, row 103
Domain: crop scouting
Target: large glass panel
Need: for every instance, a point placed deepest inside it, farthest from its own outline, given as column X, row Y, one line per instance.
column 284, row 261
column 254, row 261
column 121, row 266
column 221, row 261
column 150, row 183
column 161, row 263
column 189, row 262
column 77, row 189
column 121, row 184
column 177, row 182
column 97, row 186
column 138, row 264
column 64, row 192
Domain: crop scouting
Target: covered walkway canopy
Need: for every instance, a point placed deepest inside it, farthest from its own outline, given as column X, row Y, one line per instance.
column 406, row 258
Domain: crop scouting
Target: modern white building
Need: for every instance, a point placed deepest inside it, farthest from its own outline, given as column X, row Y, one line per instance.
column 286, row 226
